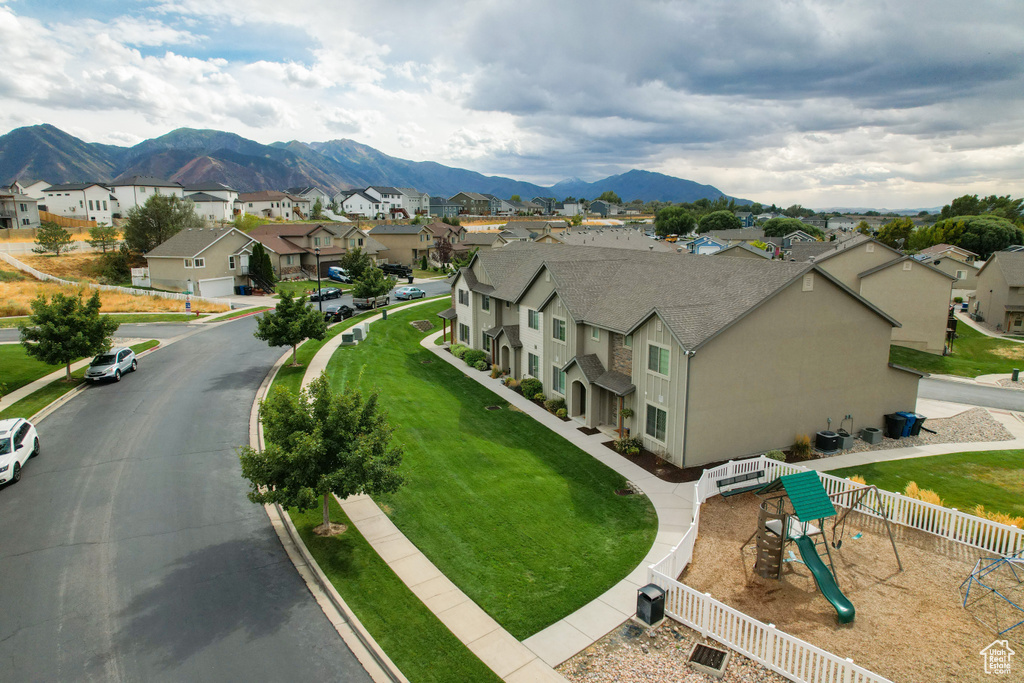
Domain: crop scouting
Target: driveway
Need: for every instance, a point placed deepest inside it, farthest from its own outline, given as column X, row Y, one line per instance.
column 129, row 551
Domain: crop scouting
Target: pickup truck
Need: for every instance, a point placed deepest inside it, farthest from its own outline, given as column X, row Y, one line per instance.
column 371, row 302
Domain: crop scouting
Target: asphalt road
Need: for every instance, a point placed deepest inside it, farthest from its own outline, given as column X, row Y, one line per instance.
column 432, row 288
column 971, row 394
column 129, row 552
column 125, row 331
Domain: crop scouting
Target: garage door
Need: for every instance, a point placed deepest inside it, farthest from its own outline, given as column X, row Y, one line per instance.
column 217, row 286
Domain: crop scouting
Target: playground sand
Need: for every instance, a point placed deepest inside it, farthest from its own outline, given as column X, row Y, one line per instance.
column 910, row 626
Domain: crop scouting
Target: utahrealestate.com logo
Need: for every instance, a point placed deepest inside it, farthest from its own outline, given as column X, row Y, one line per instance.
column 997, row 657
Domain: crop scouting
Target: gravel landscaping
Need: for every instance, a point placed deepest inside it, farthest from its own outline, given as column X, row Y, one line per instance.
column 1010, row 384
column 632, row 654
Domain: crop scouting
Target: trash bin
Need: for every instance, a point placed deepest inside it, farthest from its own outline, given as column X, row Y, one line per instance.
column 239, row 290
column 384, row 314
column 650, row 604
column 410, row 279
column 247, row 290
column 894, row 424
column 918, row 422
column 908, row 425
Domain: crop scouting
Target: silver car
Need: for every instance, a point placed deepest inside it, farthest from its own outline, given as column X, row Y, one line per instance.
column 111, row 365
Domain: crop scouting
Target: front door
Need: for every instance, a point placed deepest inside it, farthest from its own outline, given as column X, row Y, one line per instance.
column 581, row 399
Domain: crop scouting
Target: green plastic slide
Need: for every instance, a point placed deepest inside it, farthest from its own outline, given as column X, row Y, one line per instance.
column 826, row 582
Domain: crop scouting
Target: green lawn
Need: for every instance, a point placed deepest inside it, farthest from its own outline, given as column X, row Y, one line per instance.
column 994, row 479
column 973, row 354
column 19, row 368
column 525, row 523
column 416, row 641
column 290, row 377
column 39, row 399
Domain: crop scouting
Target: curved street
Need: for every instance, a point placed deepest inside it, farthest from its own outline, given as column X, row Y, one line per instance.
column 971, row 394
column 129, row 551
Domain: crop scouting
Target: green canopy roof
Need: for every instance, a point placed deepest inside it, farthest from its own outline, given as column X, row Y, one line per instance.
column 810, row 501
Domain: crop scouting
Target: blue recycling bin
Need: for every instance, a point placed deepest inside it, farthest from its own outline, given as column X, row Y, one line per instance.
column 909, row 425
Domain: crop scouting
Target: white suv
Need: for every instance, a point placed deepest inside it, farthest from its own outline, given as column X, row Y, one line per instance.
column 111, row 365
column 18, row 443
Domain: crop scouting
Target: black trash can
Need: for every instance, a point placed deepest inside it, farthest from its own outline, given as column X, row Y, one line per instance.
column 410, row 279
column 894, row 424
column 650, row 604
column 918, row 421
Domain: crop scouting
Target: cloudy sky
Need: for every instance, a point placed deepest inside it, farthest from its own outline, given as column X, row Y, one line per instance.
column 890, row 103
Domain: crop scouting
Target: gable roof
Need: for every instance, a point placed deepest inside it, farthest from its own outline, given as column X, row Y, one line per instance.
column 939, row 249
column 475, row 196
column 843, row 247
column 889, row 264
column 806, row 251
column 208, row 187
column 745, row 247
column 1010, row 264
column 191, row 242
column 399, row 229
column 75, row 186
column 203, row 197
column 750, row 234
column 144, row 180
column 268, row 195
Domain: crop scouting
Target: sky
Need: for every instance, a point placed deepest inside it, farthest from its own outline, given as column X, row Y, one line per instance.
column 870, row 103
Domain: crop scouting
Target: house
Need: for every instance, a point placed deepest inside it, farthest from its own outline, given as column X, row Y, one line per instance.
column 546, row 204
column 746, row 218
column 806, row 251
column 30, row 188
column 18, row 211
column 85, row 201
column 294, row 246
column 136, row 191
column 359, row 203
column 737, row 236
column 274, row 204
column 951, row 251
column 999, row 297
column 499, row 206
column 312, row 194
column 521, row 208
column 406, row 244
column 604, row 209
column 797, row 236
column 416, row 202
column 814, row 221
column 212, row 209
column 966, row 274
column 914, row 293
column 531, row 230
column 205, row 261
column 744, row 250
column 219, row 190
column 472, row 203
column 684, row 351
column 483, row 240
column 705, row 244
column 442, row 208
column 568, row 208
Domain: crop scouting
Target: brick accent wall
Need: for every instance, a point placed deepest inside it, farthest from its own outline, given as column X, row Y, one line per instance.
column 622, row 356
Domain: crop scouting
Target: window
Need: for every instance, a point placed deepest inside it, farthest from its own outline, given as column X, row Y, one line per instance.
column 595, row 333
column 327, row 240
column 142, row 189
column 188, row 263
column 656, row 420
column 627, row 341
column 104, row 204
column 532, row 363
column 533, row 319
column 961, row 274
column 360, row 240
column 24, row 207
column 289, row 260
column 657, row 359
column 485, row 303
column 558, row 380
column 81, row 204
column 423, row 237
column 200, row 263
column 231, row 262
column 90, row 205
column 464, row 333
column 24, row 221
column 351, row 242
column 487, row 344
column 558, row 329
column 463, row 297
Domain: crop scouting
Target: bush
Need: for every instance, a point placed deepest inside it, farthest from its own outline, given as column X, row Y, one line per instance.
column 459, row 350
column 531, row 386
column 958, row 299
column 926, row 495
column 776, row 455
column 553, row 405
column 629, row 446
column 857, row 479
column 475, row 356
column 539, row 396
column 561, row 412
column 1000, row 517
column 802, row 447
column 511, row 383
column 480, row 365
column 495, row 374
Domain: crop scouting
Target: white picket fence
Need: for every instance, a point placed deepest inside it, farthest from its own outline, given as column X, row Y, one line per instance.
column 763, row 643
column 39, row 275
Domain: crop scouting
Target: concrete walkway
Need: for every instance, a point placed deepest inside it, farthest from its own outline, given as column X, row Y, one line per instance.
column 966, row 319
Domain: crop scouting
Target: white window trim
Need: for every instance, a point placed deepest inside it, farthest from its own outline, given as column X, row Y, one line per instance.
column 200, row 263
column 654, row 438
column 647, row 361
column 231, row 262
column 188, row 263
column 536, row 315
column 536, row 366
column 595, row 333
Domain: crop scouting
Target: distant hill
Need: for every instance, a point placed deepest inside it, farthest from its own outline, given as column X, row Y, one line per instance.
column 190, row 156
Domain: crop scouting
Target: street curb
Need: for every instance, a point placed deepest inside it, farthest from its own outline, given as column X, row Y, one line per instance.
column 370, row 655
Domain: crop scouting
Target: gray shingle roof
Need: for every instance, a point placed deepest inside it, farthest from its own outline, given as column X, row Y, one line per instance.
column 745, row 247
column 402, row 229
column 888, row 264
column 74, row 186
column 189, row 242
column 510, row 331
column 448, row 314
column 203, row 197
column 805, row 251
column 737, row 234
column 590, row 365
column 146, row 180
column 615, row 382
column 1010, row 264
column 615, row 238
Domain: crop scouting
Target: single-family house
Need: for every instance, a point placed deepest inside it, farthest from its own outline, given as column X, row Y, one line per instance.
column 219, row 190
column 137, row 189
column 685, row 350
column 999, row 297
column 212, row 209
column 568, row 208
column 86, row 201
column 951, row 251
column 274, row 204
column 359, row 203
column 30, row 188
column 795, row 237
column 614, row 238
column 547, row 204
column 416, row 202
column 472, row 203
column 483, row 240
column 737, row 236
column 204, row 261
column 18, row 211
column 295, row 245
column 406, row 243
column 442, row 208
column 604, row 209
column 311, row 193
column 521, row 208
column 746, row 218
column 966, row 274
column 705, row 244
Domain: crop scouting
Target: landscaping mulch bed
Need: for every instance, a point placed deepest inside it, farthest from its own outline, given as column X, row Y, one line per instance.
column 589, row 431
column 663, row 469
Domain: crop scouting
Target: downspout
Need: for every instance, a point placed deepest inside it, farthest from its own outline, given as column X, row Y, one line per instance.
column 686, row 403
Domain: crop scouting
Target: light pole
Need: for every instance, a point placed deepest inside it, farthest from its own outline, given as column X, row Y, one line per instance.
column 319, row 293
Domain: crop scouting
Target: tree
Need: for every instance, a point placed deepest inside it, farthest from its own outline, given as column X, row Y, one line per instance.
column 610, row 197
column 719, row 220
column 103, row 237
column 444, row 250
column 321, row 443
column 755, row 208
column 372, row 284
column 52, row 237
column 967, row 205
column 290, row 323
column 780, row 227
column 674, row 220
column 576, row 219
column 317, row 212
column 569, row 200
column 247, row 222
column 467, row 256
column 156, row 221
column 64, row 329
column 981, row 234
column 261, row 268
column 515, row 198
column 864, row 229
column 896, row 233
column 355, row 262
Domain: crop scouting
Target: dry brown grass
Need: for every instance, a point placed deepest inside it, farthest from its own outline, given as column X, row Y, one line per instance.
column 16, row 298
column 78, row 235
column 79, row 266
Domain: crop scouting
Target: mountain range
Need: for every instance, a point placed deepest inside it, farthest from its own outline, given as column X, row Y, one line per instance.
column 192, row 156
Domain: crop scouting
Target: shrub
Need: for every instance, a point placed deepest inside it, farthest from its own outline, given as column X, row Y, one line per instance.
column 459, row 350
column 630, row 445
column 531, row 386
column 480, row 365
column 1000, row 517
column 495, row 374
column 857, row 479
column 926, row 495
column 626, row 413
column 776, row 455
column 553, row 405
column 561, row 412
column 802, row 447
column 958, row 299
column 512, row 383
column 496, row 368
column 539, row 396
column 475, row 356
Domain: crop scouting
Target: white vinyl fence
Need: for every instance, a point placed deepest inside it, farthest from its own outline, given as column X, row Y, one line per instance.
column 779, row 651
column 107, row 288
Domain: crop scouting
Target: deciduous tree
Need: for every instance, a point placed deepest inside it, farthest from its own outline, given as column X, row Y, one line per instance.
column 52, row 237
column 156, row 221
column 355, row 262
column 63, row 329
column 719, row 220
column 896, row 233
column 674, row 220
column 610, row 197
column 290, row 323
column 321, row 443
column 371, row 284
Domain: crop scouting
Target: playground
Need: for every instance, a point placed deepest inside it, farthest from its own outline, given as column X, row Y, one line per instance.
column 906, row 625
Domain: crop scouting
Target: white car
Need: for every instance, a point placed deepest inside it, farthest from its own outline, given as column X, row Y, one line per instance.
column 18, row 443
column 111, row 365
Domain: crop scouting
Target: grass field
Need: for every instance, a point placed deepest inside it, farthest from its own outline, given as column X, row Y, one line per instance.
column 19, row 368
column 973, row 354
column 525, row 523
column 994, row 479
column 78, row 266
column 16, row 297
column 119, row 317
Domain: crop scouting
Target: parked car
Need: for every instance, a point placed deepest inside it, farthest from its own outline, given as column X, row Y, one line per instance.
column 111, row 365
column 409, row 293
column 325, row 294
column 371, row 302
column 396, row 269
column 18, row 442
column 339, row 274
column 337, row 312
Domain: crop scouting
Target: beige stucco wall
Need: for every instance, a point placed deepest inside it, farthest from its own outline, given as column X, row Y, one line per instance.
column 404, row 249
column 788, row 366
column 994, row 294
column 848, row 264
column 952, row 266
column 918, row 298
column 171, row 274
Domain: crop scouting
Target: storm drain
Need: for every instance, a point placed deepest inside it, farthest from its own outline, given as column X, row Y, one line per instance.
column 427, row 362
column 492, row 407
column 709, row 660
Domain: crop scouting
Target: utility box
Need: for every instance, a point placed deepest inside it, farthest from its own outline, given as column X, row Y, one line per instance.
column 347, row 339
column 845, row 440
column 357, row 333
column 871, row 435
column 650, row 604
